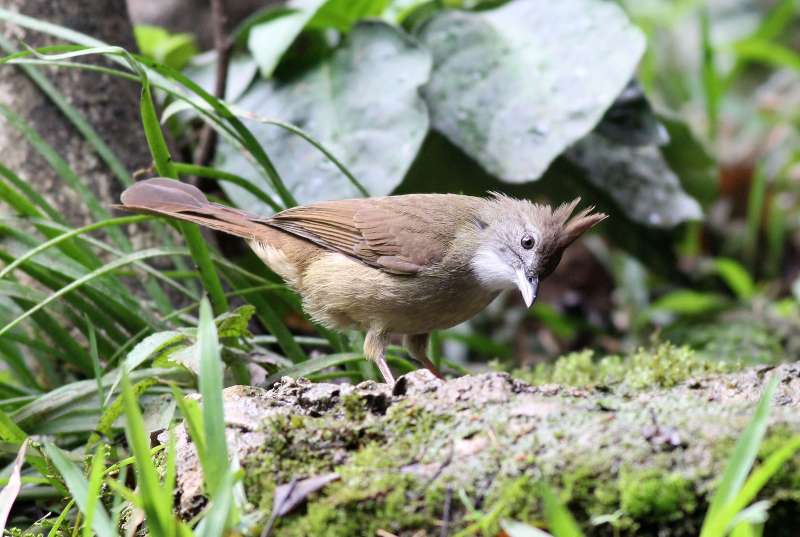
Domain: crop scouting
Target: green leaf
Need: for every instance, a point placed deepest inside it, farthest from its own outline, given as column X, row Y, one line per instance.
column 515, row 86
column 728, row 515
column 735, row 276
column 688, row 302
column 768, row 52
column 559, row 520
column 174, row 50
column 215, row 521
column 68, row 396
column 95, row 484
column 712, row 83
column 10, row 431
column 211, row 390
column 113, row 411
column 193, row 419
column 157, row 507
column 98, row 369
column 372, row 83
column 741, row 461
column 234, row 324
column 79, row 489
column 343, row 14
column 152, row 346
column 55, row 529
column 164, row 166
column 270, row 39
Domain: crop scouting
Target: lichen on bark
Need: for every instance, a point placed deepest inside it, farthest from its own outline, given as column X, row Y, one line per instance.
column 466, row 453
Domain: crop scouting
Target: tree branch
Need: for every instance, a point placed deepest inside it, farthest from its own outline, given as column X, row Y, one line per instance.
column 223, row 46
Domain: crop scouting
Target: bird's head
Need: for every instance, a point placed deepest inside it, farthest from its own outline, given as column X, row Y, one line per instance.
column 520, row 242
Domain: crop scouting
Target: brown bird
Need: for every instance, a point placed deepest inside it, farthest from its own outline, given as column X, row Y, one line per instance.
column 392, row 265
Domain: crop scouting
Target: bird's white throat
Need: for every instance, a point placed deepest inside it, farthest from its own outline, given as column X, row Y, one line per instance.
column 493, row 273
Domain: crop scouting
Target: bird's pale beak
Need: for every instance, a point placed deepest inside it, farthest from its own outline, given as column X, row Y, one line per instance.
column 528, row 286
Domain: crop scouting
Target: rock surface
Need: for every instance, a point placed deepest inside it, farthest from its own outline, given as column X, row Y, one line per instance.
column 439, row 458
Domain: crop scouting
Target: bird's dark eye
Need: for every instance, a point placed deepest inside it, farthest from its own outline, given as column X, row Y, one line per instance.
column 527, row 242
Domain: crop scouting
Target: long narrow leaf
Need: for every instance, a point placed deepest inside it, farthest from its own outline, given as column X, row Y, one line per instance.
column 157, row 507
column 742, row 459
column 95, row 484
column 718, row 524
column 559, row 520
column 109, row 267
column 211, row 390
column 79, row 489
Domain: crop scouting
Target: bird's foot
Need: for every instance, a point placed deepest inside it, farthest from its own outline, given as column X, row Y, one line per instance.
column 430, row 366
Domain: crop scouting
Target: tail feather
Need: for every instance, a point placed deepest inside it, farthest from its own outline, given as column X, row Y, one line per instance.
column 185, row 202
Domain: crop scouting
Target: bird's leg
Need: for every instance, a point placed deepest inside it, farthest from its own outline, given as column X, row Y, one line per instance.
column 375, row 349
column 417, row 347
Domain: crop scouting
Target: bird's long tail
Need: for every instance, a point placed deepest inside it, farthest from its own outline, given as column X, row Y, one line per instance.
column 185, row 202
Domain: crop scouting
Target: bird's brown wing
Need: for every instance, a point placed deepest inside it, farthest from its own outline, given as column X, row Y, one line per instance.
column 397, row 234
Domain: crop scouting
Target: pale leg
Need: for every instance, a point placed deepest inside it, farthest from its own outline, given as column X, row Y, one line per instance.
column 375, row 349
column 417, row 347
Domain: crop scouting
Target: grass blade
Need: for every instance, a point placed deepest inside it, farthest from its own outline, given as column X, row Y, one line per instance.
column 55, row 531
column 98, row 370
column 105, row 269
column 211, row 389
column 165, row 168
column 157, row 507
column 559, row 520
column 719, row 524
column 741, row 461
column 213, row 524
column 79, row 489
column 95, row 484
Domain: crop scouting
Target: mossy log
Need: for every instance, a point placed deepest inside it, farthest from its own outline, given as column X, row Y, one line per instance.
column 457, row 457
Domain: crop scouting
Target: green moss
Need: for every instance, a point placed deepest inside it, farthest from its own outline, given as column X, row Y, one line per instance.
column 664, row 366
column 354, row 407
column 656, row 496
column 370, row 495
column 587, row 490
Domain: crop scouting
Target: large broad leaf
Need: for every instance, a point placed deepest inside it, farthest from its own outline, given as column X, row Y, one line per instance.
column 638, row 179
column 624, row 158
column 515, row 86
column 362, row 103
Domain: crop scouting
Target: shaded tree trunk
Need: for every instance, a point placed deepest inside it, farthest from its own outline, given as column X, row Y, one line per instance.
column 108, row 103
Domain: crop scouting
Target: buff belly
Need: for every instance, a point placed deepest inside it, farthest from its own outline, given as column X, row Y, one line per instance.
column 342, row 293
